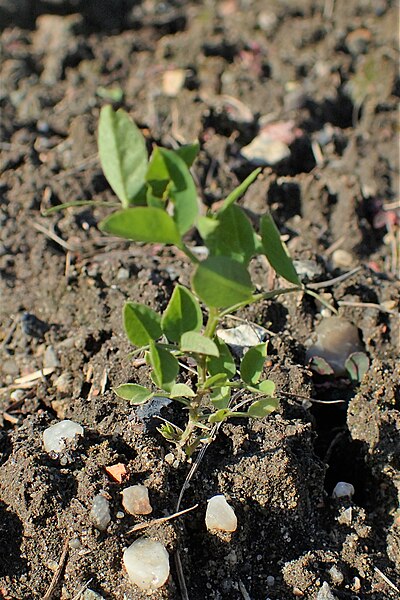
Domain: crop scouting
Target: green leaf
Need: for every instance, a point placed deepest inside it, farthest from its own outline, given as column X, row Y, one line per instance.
column 219, row 415
column 142, row 224
column 182, row 191
column 319, row 365
column 262, row 408
column 252, row 363
column 357, row 364
column 276, row 251
column 266, row 387
column 182, row 314
column 188, row 153
column 221, row 282
column 194, row 342
column 232, row 236
column 136, row 394
column 220, row 397
column 224, row 363
column 123, row 154
column 240, row 190
column 165, row 366
column 157, row 174
column 181, row 390
column 141, row 324
column 216, row 379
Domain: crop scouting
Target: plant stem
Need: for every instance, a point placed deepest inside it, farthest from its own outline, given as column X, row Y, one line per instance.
column 258, row 297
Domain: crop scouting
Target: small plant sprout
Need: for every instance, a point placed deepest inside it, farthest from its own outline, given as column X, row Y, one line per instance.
column 160, row 206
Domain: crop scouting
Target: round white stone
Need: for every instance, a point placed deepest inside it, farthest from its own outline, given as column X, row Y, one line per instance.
column 147, row 564
column 343, row 490
column 100, row 513
column 54, row 437
column 220, row 515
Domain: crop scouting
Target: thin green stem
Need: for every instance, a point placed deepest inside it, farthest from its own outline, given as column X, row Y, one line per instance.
column 258, row 297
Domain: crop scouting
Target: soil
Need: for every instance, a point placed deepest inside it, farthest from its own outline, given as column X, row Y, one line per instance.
column 329, row 67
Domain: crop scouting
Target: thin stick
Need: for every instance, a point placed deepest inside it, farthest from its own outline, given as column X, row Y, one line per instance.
column 244, row 592
column 53, row 236
column 324, row 284
column 181, row 577
column 83, row 588
column 141, row 526
column 367, row 305
column 58, row 573
column 312, row 399
column 387, row 580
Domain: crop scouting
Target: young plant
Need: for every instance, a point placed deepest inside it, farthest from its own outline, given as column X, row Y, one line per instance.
column 160, row 206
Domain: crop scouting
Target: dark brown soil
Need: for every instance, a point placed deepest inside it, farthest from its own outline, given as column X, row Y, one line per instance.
column 285, row 60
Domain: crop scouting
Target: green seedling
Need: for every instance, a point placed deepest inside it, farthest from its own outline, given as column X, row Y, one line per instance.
column 160, row 206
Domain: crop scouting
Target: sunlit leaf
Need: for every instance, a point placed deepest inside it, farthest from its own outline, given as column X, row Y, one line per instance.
column 262, row 408
column 231, row 236
column 194, row 342
column 136, row 394
column 165, row 366
column 142, row 224
column 215, row 380
column 181, row 390
column 276, row 251
column 123, row 154
column 182, row 191
column 224, row 363
column 221, row 282
column 252, row 363
column 220, row 397
column 188, row 153
column 182, row 314
column 219, row 416
column 141, row 323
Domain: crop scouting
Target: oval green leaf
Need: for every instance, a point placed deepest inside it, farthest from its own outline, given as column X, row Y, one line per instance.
column 141, row 324
column 182, row 191
column 231, row 234
column 136, row 394
column 194, row 342
column 142, row 224
column 182, row 314
column 181, row 390
column 165, row 366
column 252, row 363
column 123, row 154
column 224, row 363
column 220, row 282
column 262, row 408
column 276, row 252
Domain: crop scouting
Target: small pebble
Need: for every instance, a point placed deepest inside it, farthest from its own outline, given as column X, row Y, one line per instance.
column 123, row 274
column 336, row 340
column 336, row 575
column 343, row 490
column 135, row 500
column 173, row 82
column 264, row 151
column 55, row 436
column 147, row 563
column 325, row 593
column 63, row 384
column 89, row 594
column 220, row 515
column 341, row 259
column 50, row 359
column 120, row 514
column 100, row 512
column 75, row 543
column 270, row 580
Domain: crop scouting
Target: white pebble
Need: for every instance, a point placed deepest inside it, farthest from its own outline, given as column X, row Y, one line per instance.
column 219, row 515
column 100, row 513
column 54, row 437
column 343, row 490
column 135, row 500
column 147, row 563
